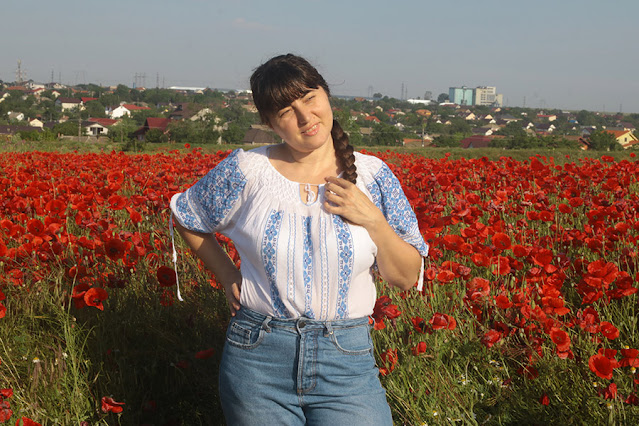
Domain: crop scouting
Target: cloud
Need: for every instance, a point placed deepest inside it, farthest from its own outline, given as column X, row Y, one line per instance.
column 243, row 24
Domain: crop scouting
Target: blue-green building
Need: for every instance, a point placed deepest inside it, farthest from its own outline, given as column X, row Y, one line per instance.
column 462, row 95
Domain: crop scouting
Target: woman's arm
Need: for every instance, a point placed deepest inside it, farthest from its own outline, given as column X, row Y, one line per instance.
column 217, row 261
column 399, row 263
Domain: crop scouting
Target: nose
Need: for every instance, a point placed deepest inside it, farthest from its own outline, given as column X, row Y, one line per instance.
column 303, row 114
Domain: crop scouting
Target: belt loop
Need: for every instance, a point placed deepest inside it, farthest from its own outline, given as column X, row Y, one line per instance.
column 328, row 329
column 265, row 323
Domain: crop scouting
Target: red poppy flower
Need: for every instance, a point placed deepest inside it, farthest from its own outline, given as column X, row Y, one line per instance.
column 5, row 411
column 490, row 338
column 95, row 296
column 389, row 359
column 109, row 405
column 608, row 330
column 135, row 216
column 117, row 202
column 35, row 227
column 441, row 321
column 207, row 353
column 385, row 309
column 629, row 358
column 27, row 422
column 420, row 325
column 3, row 311
column 6, row 392
column 115, row 248
column 560, row 338
column 501, row 241
column 420, row 348
column 544, row 400
column 166, row 276
column 116, row 178
column 632, row 398
column 609, row 392
column 602, row 366
column 503, row 302
column 55, row 206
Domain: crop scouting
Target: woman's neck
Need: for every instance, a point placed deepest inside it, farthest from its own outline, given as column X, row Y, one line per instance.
column 311, row 167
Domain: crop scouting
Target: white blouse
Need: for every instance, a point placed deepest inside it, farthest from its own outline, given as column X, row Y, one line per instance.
column 297, row 259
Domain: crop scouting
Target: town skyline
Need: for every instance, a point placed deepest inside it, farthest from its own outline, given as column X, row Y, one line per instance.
column 568, row 56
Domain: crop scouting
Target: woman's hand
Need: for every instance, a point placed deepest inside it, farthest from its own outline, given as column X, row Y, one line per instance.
column 206, row 247
column 232, row 291
column 347, row 200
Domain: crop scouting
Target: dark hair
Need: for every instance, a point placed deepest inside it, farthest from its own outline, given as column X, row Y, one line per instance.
column 283, row 79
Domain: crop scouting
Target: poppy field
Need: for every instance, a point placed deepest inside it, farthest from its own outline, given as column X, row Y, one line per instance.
column 528, row 312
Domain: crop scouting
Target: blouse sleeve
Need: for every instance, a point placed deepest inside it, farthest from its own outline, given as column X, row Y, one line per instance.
column 389, row 197
column 205, row 206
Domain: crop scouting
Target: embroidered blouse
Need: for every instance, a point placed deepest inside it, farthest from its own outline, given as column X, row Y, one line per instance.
column 297, row 259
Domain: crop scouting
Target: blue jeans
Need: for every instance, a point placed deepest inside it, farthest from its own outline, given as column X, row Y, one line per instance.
column 300, row 372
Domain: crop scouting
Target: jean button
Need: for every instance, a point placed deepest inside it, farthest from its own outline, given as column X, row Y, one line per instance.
column 301, row 324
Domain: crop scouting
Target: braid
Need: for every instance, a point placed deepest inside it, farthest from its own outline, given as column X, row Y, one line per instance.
column 344, row 152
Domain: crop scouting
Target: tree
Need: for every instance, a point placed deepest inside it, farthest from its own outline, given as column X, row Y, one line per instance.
column 443, row 97
column 385, row 134
column 234, row 134
column 377, row 95
column 603, row 141
column 155, row 136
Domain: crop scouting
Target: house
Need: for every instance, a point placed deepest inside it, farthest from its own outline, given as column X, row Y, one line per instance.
column 508, row 118
column 424, row 112
column 6, row 132
column 372, row 118
column 36, row 123
column 625, row 138
column 468, row 116
column 544, row 127
column 152, row 123
column 477, row 141
column 127, row 109
column 547, row 117
column 68, row 103
column 15, row 116
column 627, row 126
column 258, row 136
column 85, row 99
column 484, row 131
column 98, row 126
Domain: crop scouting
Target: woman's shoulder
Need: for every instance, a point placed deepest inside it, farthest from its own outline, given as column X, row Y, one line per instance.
column 368, row 165
column 246, row 161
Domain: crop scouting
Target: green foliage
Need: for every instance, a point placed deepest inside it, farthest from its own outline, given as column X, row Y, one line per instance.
column 443, row 97
column 68, row 128
column 234, row 134
column 155, row 136
column 603, row 141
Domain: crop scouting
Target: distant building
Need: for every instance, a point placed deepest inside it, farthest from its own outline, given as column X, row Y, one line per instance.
column 478, row 96
column 487, row 96
column 462, row 95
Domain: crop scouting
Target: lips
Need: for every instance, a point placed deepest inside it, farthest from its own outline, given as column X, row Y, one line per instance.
column 312, row 131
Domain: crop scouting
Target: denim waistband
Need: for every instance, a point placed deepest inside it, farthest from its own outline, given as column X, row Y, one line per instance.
column 301, row 322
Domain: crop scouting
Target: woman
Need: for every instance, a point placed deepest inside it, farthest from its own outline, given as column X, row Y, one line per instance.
column 310, row 219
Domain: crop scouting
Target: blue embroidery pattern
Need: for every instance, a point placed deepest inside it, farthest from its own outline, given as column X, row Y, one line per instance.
column 204, row 205
column 269, row 258
column 290, row 257
column 308, row 267
column 324, row 268
column 345, row 249
column 388, row 196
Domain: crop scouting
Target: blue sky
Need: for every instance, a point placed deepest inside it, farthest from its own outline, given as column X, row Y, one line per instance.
column 564, row 54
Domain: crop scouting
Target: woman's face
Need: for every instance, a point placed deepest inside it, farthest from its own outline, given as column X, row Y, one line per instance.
column 306, row 123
